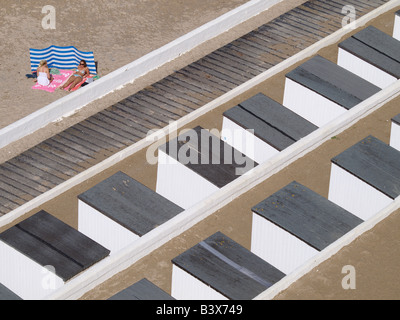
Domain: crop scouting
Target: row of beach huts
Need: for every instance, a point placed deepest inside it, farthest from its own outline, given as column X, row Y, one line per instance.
column 41, row 254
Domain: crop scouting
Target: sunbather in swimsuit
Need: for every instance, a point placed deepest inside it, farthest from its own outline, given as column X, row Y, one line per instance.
column 43, row 74
column 78, row 75
column 43, row 79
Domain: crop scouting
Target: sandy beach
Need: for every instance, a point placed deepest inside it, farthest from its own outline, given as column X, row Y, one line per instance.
column 134, row 28
column 117, row 32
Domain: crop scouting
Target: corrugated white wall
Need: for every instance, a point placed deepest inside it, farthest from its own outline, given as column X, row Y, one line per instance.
column 354, row 195
column 396, row 29
column 186, row 287
column 179, row 184
column 310, row 105
column 395, row 136
column 364, row 69
column 25, row 277
column 278, row 247
column 102, row 229
column 246, row 142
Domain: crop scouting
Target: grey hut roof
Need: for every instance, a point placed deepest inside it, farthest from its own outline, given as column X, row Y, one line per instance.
column 7, row 294
column 228, row 268
column 377, row 48
column 272, row 122
column 213, row 159
column 396, row 119
column 333, row 82
column 375, row 163
column 307, row 215
column 130, row 203
column 142, row 290
column 49, row 241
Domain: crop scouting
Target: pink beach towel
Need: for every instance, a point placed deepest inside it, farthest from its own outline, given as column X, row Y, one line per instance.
column 58, row 80
column 79, row 84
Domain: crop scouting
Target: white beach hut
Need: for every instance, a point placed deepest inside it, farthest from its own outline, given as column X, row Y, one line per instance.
column 196, row 164
column 395, row 133
column 396, row 28
column 320, row 91
column 40, row 254
column 261, row 127
column 142, row 290
column 218, row 268
column 365, row 178
column 294, row 224
column 373, row 55
column 119, row 210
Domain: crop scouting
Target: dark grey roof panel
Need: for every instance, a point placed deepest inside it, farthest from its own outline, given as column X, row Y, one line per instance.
column 380, row 41
column 271, row 121
column 333, row 82
column 375, row 163
column 278, row 116
column 41, row 252
column 49, row 241
column 396, row 119
column 307, row 215
column 367, row 45
column 7, row 294
column 371, row 56
column 63, row 238
column 213, row 159
column 263, row 131
column 228, row 268
column 142, row 290
column 130, row 203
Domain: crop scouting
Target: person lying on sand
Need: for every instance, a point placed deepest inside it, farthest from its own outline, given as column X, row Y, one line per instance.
column 44, row 77
column 81, row 72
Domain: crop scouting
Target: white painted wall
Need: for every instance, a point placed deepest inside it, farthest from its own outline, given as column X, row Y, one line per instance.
column 354, row 195
column 102, row 229
column 395, row 136
column 186, row 287
column 396, row 29
column 246, row 142
column 25, row 277
column 364, row 69
column 179, row 184
column 277, row 246
column 310, row 105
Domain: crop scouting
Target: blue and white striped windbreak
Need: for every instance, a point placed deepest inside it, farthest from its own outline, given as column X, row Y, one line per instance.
column 62, row 58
